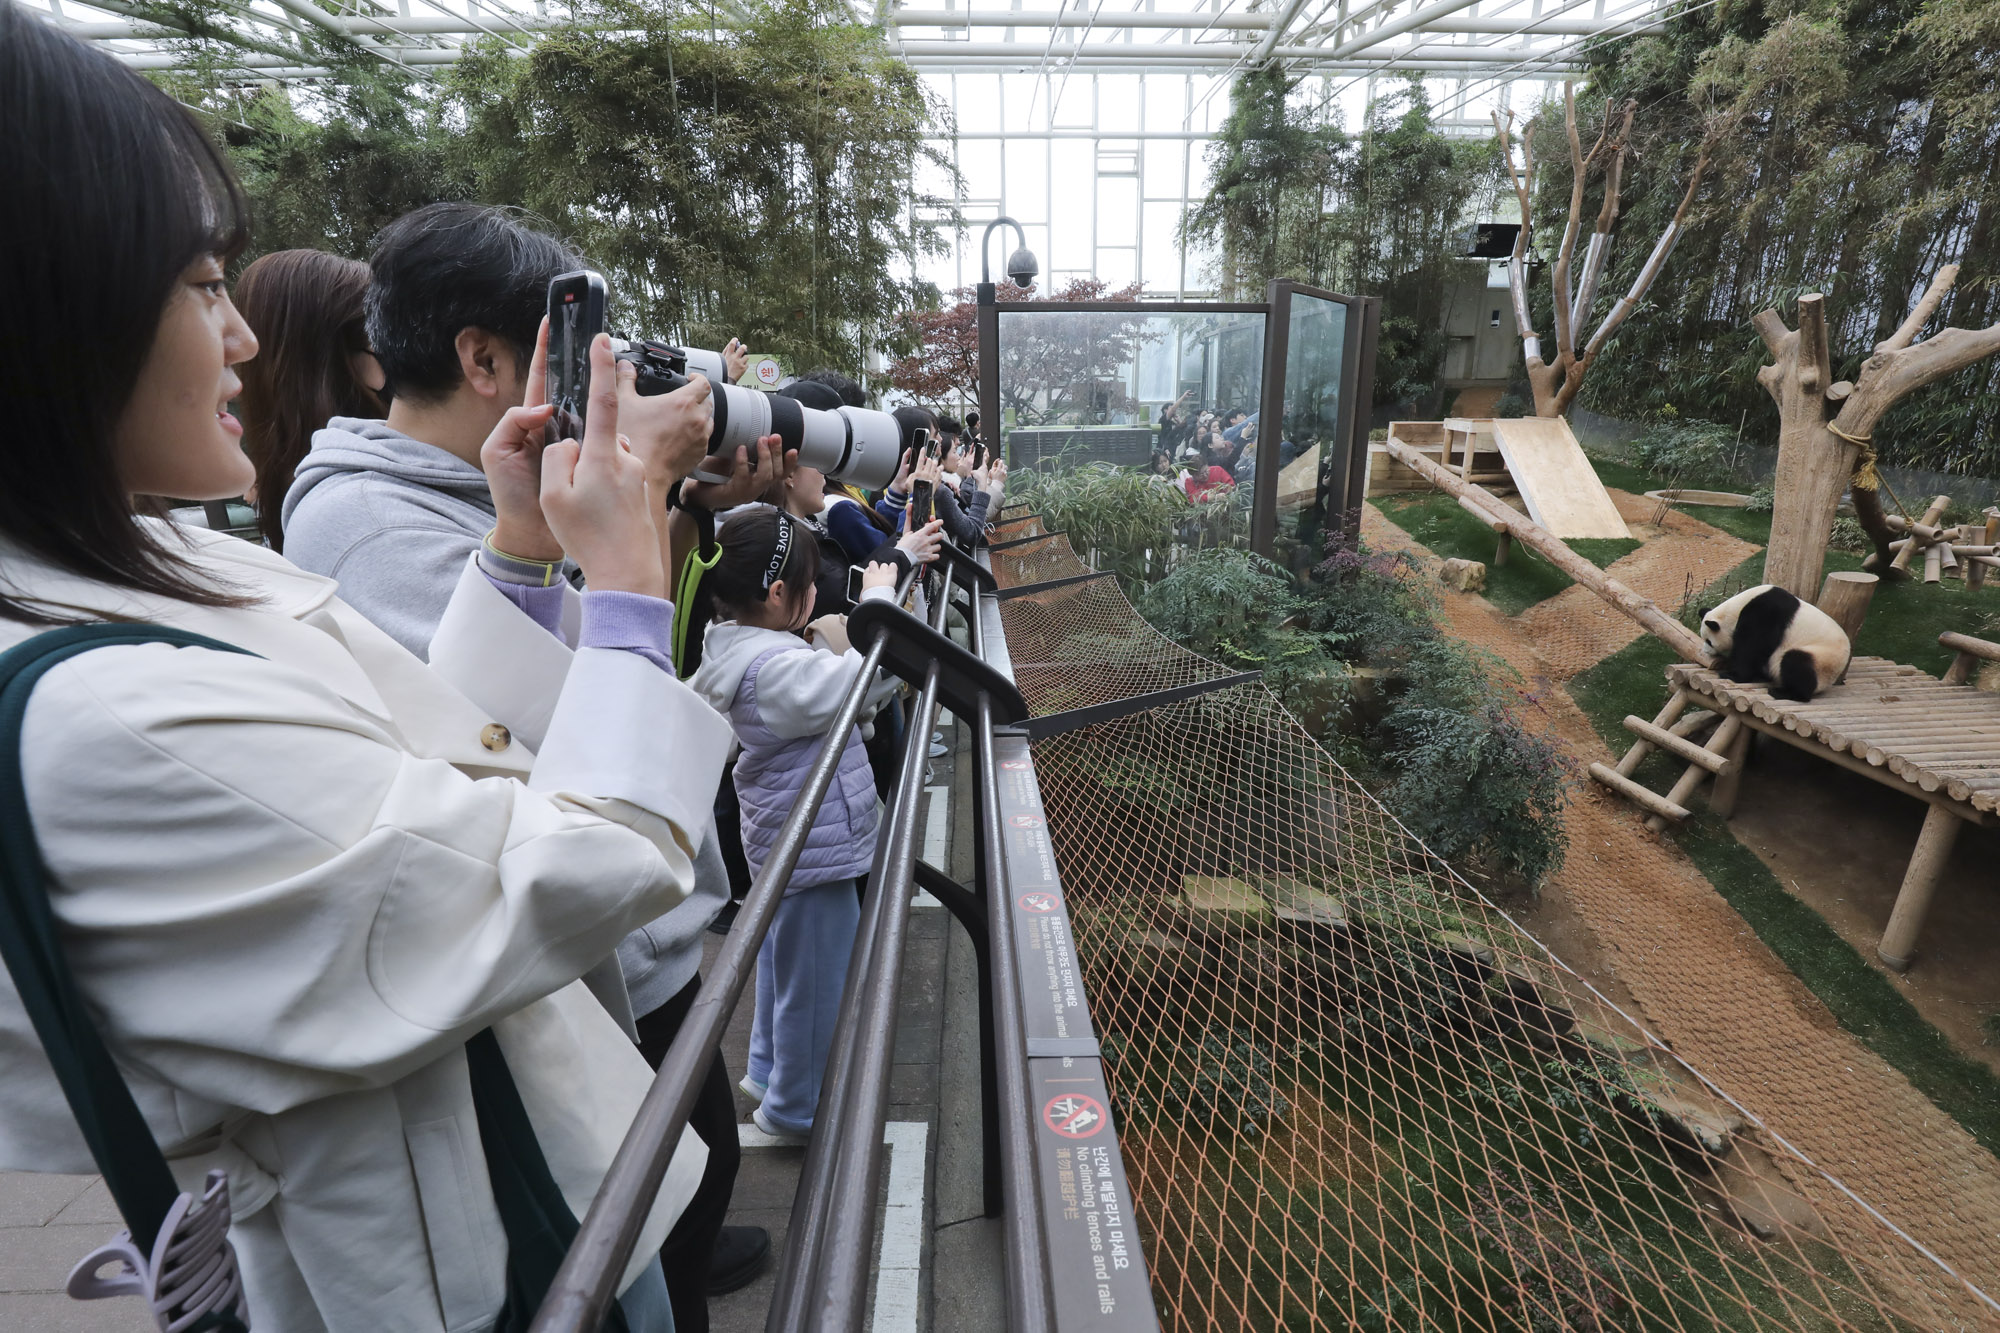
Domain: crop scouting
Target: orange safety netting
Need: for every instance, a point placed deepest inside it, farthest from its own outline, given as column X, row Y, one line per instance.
column 1352, row 1093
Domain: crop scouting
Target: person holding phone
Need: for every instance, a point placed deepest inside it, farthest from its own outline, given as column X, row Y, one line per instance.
column 393, row 508
column 462, row 317
column 964, row 519
column 296, row 883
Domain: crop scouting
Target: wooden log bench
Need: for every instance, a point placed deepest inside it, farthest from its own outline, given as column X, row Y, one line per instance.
column 1935, row 739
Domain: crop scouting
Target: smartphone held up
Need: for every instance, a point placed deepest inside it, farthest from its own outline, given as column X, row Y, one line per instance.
column 921, row 500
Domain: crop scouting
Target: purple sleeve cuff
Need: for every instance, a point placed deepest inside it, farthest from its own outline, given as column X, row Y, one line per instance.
column 631, row 621
column 544, row 606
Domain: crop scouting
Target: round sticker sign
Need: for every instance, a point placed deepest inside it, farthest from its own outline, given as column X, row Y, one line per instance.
column 766, row 371
column 1073, row 1115
column 1025, row 821
column 1037, row 902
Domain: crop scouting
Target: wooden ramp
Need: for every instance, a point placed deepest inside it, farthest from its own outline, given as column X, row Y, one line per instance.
column 1298, row 484
column 1558, row 486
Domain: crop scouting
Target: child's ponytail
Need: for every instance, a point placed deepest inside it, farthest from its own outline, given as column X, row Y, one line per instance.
column 736, row 570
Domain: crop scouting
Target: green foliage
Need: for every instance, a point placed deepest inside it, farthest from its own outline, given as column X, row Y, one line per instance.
column 1122, row 520
column 1688, row 453
column 753, row 182
column 1234, row 607
column 1451, row 745
column 1857, row 149
column 1472, row 778
column 1221, row 1080
column 1446, row 741
column 1378, row 214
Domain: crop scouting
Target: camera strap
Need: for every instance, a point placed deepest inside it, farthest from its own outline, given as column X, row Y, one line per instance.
column 687, row 634
column 174, row 1251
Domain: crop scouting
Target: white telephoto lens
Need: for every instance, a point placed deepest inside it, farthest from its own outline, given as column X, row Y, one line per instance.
column 707, row 364
column 874, row 450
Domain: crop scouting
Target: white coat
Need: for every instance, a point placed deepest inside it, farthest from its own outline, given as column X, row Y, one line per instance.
column 292, row 886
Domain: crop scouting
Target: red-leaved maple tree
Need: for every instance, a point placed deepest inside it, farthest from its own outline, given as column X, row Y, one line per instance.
column 945, row 366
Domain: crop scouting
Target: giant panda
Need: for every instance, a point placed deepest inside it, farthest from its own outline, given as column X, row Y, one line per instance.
column 1767, row 634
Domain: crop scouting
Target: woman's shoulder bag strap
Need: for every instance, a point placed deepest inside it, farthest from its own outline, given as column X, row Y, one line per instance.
column 194, row 1272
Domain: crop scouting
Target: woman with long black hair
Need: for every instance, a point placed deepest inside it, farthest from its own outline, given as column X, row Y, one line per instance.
column 312, row 364
column 319, row 899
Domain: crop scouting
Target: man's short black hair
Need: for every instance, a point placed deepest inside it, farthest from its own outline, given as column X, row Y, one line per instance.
column 950, row 426
column 450, row 267
column 851, row 393
column 1234, row 415
column 811, row 393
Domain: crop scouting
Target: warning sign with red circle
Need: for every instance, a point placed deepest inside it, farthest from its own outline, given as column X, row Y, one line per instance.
column 1037, row 902
column 1073, row 1115
column 1025, row 821
column 1014, row 765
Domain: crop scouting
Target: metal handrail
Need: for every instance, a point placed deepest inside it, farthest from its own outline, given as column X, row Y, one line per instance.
column 822, row 1281
column 1030, row 1298
column 585, row 1285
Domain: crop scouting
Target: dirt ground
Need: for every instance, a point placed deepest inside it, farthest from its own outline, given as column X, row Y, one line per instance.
column 1631, row 905
column 1839, row 842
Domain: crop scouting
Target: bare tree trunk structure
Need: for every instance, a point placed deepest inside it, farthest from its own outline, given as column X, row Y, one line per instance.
column 1555, row 382
column 1826, row 428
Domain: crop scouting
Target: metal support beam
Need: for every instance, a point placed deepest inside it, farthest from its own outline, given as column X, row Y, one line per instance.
column 1055, row 724
column 1278, row 25
column 1023, row 541
column 1397, row 27
column 1025, row 589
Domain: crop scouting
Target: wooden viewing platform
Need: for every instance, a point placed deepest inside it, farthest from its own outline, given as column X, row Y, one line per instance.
column 1936, row 740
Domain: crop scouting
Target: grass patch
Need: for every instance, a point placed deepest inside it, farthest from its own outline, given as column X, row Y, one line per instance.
column 1740, row 523
column 1905, row 618
column 1631, row 680
column 1865, row 1002
column 1526, row 578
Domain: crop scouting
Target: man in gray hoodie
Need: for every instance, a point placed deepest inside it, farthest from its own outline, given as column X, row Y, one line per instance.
column 392, row 509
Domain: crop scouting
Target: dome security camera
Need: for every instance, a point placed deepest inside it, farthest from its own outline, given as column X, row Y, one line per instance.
column 1022, row 268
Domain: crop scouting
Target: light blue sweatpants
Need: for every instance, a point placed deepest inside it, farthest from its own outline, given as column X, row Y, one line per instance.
column 801, row 971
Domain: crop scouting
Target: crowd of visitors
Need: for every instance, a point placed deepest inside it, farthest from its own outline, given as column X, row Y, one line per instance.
column 435, row 811
column 1208, row 451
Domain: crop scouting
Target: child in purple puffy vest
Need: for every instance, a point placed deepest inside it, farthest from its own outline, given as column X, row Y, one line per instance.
column 781, row 694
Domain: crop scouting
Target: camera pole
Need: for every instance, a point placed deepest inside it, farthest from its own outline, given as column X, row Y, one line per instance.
column 1021, row 270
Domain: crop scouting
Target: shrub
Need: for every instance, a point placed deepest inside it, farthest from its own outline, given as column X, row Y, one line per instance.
column 1121, row 519
column 1450, row 749
column 1240, row 609
column 1688, row 452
